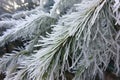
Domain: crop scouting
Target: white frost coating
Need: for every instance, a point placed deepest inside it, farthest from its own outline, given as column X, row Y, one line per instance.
column 84, row 36
column 62, row 6
column 43, row 2
column 7, row 24
column 28, row 28
column 116, row 11
column 73, row 36
column 10, row 62
column 22, row 14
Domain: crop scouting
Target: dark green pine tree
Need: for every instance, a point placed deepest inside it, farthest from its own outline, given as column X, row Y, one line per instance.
column 69, row 40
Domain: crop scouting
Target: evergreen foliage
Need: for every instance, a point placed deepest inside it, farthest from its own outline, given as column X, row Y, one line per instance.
column 80, row 37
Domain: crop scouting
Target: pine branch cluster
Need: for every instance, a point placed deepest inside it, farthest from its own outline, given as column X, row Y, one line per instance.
column 79, row 37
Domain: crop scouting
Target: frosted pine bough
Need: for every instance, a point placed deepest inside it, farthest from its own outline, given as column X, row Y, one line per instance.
column 83, row 42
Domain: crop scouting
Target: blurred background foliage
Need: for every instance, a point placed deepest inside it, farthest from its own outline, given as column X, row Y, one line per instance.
column 12, row 6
